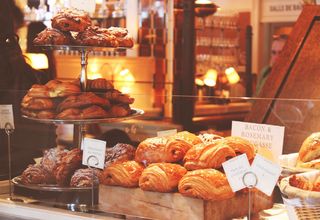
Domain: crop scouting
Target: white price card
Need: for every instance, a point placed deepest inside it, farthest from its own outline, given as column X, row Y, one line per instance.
column 235, row 169
column 6, row 116
column 267, row 174
column 166, row 133
column 93, row 152
column 264, row 137
column 86, row 5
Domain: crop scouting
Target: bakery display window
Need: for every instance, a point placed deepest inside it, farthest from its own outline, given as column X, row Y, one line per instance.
column 153, row 168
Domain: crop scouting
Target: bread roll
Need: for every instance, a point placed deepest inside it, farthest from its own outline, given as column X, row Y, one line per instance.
column 124, row 174
column 211, row 155
column 161, row 177
column 310, row 148
column 207, row 184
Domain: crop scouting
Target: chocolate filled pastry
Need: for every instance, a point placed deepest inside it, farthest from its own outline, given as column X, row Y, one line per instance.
column 204, row 156
column 85, row 178
column 120, row 110
column 207, row 184
column 124, row 174
column 71, row 19
column 42, row 114
column 121, row 34
column 161, row 177
column 209, row 138
column 52, row 158
column 241, row 146
column 99, row 85
column 119, row 153
column 94, row 36
column 36, row 174
column 31, row 103
column 90, row 112
column 310, row 148
column 115, row 96
column 69, row 163
column 161, row 149
column 83, row 100
column 51, row 36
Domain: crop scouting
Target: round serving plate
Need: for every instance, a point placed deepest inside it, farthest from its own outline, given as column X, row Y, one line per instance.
column 134, row 113
column 82, row 48
column 49, row 187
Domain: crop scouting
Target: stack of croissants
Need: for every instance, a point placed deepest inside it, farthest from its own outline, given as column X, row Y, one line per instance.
column 185, row 162
column 64, row 100
column 182, row 162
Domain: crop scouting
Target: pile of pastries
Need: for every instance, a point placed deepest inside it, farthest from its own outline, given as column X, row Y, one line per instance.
column 182, row 162
column 74, row 27
column 64, row 100
column 304, row 183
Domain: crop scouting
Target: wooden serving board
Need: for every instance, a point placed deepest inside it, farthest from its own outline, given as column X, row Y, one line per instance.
column 175, row 206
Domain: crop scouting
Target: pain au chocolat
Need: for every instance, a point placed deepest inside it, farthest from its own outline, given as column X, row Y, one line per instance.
column 161, row 177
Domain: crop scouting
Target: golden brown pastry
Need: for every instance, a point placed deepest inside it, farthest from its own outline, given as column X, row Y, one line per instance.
column 42, row 114
column 313, row 164
column 124, row 174
column 241, row 146
column 51, row 36
column 85, row 178
column 316, row 185
column 187, row 137
column 207, row 184
column 83, row 100
column 300, row 182
column 161, row 149
column 310, row 148
column 71, row 19
column 99, row 85
column 69, row 163
column 36, row 174
column 37, row 103
column 115, row 96
column 90, row 112
column 119, row 153
column 211, row 155
column 121, row 34
column 161, row 177
column 119, row 110
column 94, row 36
column 52, row 158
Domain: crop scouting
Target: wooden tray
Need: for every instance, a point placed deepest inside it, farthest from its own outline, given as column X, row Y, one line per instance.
column 175, row 206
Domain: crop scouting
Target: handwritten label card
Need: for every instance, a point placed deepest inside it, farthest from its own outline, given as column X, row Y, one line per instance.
column 267, row 174
column 235, row 169
column 93, row 152
column 269, row 137
column 86, row 5
column 6, row 116
column 166, row 133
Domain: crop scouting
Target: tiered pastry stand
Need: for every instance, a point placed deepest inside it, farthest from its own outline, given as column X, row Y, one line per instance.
column 75, row 193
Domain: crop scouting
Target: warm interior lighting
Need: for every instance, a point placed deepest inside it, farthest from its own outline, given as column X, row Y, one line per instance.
column 232, row 75
column 99, row 2
column 199, row 82
column 203, row 2
column 210, row 78
column 37, row 60
column 204, row 8
column 126, row 79
column 95, row 76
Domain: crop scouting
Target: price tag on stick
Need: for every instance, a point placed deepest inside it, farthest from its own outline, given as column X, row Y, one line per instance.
column 93, row 152
column 6, row 117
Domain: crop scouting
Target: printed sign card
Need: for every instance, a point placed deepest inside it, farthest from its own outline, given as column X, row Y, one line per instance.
column 6, row 117
column 235, row 169
column 267, row 137
column 93, row 152
column 267, row 174
column 166, row 133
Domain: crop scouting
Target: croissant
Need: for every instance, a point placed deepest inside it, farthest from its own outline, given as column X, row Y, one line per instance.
column 211, row 155
column 161, row 149
column 161, row 177
column 125, row 174
column 187, row 137
column 241, row 146
column 310, row 148
column 207, row 184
